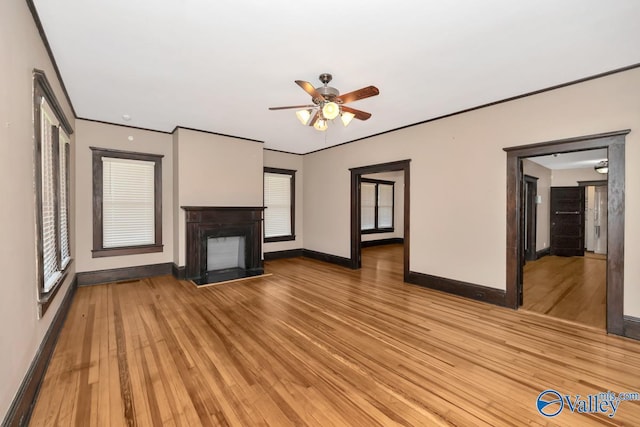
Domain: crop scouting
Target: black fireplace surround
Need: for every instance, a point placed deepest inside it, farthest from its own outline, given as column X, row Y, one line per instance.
column 204, row 222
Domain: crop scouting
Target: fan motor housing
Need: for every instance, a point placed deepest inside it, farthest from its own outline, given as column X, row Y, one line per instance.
column 328, row 92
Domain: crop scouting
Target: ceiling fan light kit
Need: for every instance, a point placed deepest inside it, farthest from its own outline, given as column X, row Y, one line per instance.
column 328, row 104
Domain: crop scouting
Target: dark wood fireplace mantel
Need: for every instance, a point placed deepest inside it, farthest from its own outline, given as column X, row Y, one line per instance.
column 203, row 222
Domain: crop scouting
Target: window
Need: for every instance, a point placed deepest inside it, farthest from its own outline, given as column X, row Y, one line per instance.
column 279, row 201
column 127, row 203
column 52, row 142
column 376, row 206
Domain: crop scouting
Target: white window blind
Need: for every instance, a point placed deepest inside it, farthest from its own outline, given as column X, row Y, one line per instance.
column 65, row 251
column 48, row 125
column 368, row 206
column 277, row 200
column 127, row 202
column 385, row 206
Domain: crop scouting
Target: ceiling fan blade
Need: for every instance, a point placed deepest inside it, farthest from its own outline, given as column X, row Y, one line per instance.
column 308, row 87
column 314, row 119
column 365, row 92
column 358, row 114
column 293, row 106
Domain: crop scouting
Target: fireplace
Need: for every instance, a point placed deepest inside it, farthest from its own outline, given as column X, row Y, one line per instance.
column 223, row 243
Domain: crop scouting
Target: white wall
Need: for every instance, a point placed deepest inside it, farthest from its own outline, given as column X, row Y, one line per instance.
column 458, row 178
column 276, row 159
column 570, row 177
column 543, row 230
column 398, row 205
column 214, row 170
column 21, row 50
column 93, row 134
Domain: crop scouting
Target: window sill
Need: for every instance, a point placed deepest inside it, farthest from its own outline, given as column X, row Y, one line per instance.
column 377, row 230
column 279, row 239
column 46, row 298
column 126, row 250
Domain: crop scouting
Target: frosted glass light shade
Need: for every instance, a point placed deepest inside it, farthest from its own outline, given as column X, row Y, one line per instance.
column 346, row 118
column 602, row 167
column 330, row 110
column 304, row 116
column 320, row 124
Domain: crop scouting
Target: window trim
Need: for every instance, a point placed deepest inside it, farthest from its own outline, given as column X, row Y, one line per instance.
column 67, row 185
column 42, row 90
column 291, row 236
column 99, row 250
column 377, row 229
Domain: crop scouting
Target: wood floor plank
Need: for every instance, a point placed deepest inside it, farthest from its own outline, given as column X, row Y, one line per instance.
column 115, row 401
column 318, row 344
column 570, row 288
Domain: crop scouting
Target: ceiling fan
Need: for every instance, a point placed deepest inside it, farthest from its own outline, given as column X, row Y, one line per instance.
column 329, row 104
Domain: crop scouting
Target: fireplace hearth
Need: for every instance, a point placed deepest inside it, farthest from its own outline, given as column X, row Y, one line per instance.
column 223, row 243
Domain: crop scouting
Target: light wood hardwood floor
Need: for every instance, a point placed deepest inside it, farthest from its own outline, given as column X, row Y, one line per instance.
column 317, row 344
column 570, row 288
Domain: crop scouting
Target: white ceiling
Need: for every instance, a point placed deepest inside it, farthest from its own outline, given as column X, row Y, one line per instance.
column 575, row 160
column 218, row 65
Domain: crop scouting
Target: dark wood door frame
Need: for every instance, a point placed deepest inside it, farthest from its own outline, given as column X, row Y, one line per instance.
column 531, row 183
column 614, row 142
column 356, row 177
column 599, row 183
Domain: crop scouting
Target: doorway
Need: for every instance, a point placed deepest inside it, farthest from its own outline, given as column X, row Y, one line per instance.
column 614, row 142
column 356, row 208
column 566, row 280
